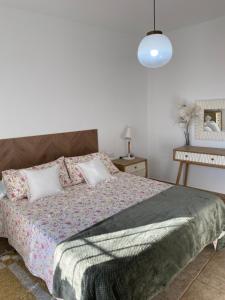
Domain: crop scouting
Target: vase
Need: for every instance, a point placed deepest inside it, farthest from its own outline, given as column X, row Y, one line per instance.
column 187, row 137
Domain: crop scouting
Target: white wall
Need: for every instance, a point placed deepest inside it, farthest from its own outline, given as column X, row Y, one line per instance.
column 57, row 75
column 196, row 72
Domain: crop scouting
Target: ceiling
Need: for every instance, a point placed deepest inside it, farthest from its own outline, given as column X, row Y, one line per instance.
column 133, row 16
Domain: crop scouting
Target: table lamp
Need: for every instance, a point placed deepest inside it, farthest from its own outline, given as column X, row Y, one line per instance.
column 128, row 137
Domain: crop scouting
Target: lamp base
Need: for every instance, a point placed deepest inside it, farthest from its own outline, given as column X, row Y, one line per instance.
column 129, row 157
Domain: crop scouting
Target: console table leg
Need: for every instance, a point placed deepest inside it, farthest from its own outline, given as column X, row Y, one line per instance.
column 186, row 174
column 179, row 173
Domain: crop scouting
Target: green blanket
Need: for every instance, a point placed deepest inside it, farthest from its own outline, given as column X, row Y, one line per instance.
column 136, row 253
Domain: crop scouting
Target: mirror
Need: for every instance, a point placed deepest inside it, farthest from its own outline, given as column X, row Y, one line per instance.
column 211, row 122
column 214, row 120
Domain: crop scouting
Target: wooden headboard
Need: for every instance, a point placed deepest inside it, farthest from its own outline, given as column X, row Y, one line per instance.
column 24, row 152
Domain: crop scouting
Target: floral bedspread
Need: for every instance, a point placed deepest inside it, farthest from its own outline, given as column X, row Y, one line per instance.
column 35, row 229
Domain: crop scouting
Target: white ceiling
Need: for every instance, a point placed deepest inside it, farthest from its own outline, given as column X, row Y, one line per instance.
column 134, row 16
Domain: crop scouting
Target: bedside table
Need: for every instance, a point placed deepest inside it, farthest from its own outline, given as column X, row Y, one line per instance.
column 137, row 166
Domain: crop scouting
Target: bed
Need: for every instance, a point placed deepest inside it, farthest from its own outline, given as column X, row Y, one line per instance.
column 37, row 229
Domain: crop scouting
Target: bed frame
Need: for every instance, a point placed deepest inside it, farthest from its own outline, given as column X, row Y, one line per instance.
column 24, row 152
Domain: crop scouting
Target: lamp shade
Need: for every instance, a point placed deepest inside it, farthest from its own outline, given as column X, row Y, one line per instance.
column 128, row 134
column 155, row 50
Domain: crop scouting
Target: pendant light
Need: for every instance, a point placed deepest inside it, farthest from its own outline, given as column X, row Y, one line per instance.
column 155, row 49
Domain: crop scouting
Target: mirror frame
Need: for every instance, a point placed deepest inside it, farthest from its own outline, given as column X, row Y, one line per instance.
column 200, row 134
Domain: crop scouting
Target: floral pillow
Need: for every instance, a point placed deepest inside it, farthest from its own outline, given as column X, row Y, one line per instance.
column 16, row 183
column 75, row 174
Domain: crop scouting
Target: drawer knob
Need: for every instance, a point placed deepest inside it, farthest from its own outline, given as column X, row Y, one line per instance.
column 212, row 159
column 186, row 155
column 135, row 167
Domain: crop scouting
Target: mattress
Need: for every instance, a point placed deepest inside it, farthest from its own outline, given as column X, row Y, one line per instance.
column 35, row 229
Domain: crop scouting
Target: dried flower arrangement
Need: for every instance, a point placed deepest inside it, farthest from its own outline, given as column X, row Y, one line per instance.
column 186, row 114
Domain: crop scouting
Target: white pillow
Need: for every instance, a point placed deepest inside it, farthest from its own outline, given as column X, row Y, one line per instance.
column 94, row 171
column 43, row 183
column 2, row 190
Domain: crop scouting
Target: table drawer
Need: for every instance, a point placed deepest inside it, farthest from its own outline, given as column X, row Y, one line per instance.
column 135, row 167
column 208, row 159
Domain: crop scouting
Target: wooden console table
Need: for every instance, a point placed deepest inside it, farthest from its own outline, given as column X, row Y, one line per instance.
column 203, row 156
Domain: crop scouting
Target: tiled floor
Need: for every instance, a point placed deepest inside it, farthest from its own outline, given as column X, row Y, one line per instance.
column 202, row 279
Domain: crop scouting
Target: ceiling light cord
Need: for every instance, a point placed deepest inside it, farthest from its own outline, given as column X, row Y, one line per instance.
column 154, row 14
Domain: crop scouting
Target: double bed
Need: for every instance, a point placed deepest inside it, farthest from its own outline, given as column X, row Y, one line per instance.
column 37, row 229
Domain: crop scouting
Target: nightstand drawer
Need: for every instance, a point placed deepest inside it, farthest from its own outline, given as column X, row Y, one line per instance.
column 141, row 173
column 135, row 167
